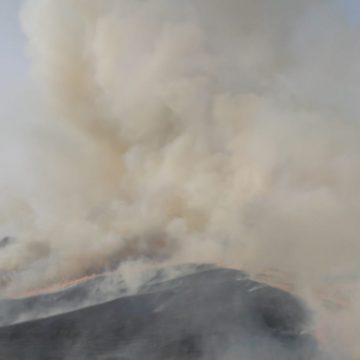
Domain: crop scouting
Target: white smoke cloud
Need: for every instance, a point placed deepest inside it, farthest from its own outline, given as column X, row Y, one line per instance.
column 190, row 131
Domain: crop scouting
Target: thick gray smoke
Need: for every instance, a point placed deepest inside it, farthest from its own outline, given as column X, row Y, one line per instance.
column 222, row 131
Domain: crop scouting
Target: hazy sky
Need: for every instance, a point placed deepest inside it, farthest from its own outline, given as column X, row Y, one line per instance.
column 13, row 61
column 353, row 9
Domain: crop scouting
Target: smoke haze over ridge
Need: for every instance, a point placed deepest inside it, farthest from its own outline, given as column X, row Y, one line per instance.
column 187, row 131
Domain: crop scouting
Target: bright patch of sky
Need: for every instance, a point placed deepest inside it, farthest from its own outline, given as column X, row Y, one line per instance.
column 13, row 63
column 352, row 8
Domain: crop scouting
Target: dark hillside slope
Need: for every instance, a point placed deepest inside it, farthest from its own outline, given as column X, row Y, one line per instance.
column 215, row 314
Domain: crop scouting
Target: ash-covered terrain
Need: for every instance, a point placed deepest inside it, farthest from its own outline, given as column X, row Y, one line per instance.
column 210, row 314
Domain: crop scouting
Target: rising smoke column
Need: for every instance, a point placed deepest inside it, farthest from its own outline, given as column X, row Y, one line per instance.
column 211, row 130
column 190, row 131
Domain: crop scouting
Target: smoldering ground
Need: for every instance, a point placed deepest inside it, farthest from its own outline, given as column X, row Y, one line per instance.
column 185, row 131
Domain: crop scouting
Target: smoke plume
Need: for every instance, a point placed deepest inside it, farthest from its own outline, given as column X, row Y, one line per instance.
column 218, row 131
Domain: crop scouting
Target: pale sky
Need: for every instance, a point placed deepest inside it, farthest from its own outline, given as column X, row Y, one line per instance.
column 353, row 9
column 13, row 58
